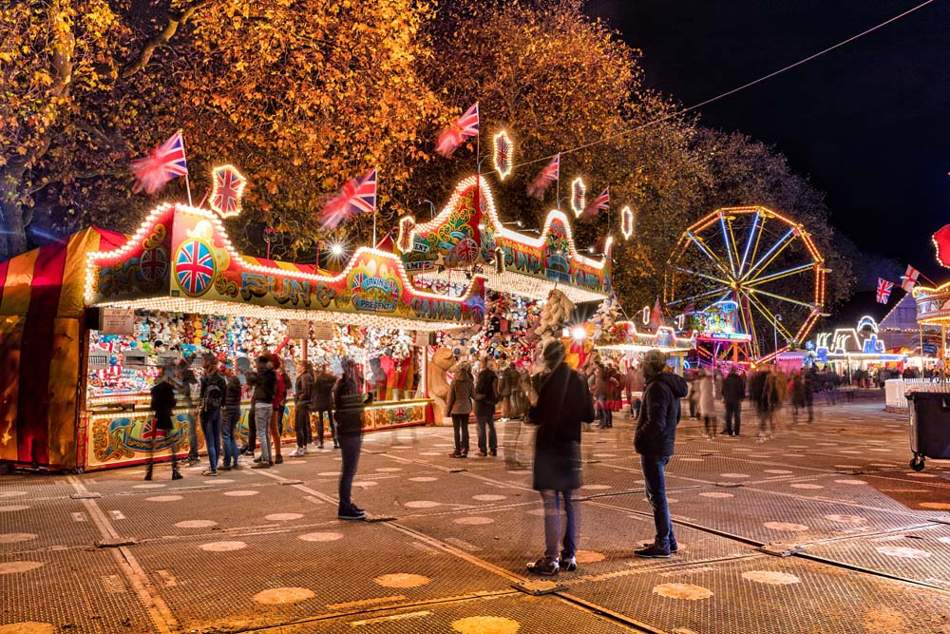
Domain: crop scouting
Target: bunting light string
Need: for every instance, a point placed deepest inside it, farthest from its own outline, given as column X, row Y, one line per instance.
column 728, row 93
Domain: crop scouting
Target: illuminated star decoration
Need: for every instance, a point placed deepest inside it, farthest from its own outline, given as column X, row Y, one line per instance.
column 578, row 192
column 626, row 222
column 227, row 188
column 504, row 150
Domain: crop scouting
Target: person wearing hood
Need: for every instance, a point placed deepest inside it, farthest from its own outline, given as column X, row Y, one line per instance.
column 563, row 403
column 654, row 440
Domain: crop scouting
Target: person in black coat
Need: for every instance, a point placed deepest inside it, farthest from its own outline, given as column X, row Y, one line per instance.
column 486, row 397
column 654, row 441
column 349, row 402
column 564, row 402
column 322, row 403
column 163, row 402
column 733, row 391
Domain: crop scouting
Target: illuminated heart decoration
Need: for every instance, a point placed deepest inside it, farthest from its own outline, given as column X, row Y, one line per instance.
column 941, row 241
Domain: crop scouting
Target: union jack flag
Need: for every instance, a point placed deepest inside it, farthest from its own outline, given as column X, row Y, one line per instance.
column 226, row 191
column 194, row 267
column 455, row 134
column 601, row 203
column 883, row 290
column 548, row 175
column 357, row 196
column 162, row 164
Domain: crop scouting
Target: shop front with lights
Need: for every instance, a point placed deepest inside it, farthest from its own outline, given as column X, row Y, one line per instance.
column 178, row 290
column 625, row 344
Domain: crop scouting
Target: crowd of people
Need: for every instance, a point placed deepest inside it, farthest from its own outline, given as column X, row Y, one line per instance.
column 558, row 401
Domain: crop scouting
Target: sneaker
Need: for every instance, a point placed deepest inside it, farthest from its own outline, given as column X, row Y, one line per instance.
column 224, row 467
column 296, row 453
column 260, row 465
column 653, row 552
column 493, row 453
column 674, row 548
column 176, row 475
column 209, row 472
column 351, row 513
column 567, row 563
column 455, row 454
column 320, row 446
column 279, row 459
column 235, row 466
column 544, row 567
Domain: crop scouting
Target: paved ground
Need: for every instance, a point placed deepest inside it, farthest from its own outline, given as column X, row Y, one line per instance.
column 262, row 550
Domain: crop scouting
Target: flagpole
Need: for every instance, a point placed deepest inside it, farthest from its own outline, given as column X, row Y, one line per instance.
column 478, row 167
column 375, row 211
column 187, row 182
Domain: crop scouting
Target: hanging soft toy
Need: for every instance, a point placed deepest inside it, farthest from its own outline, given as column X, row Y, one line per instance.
column 555, row 313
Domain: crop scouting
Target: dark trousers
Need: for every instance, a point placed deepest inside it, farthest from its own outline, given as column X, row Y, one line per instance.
column 460, row 427
column 733, row 417
column 486, row 427
column 330, row 420
column 151, row 451
column 350, row 452
column 251, row 443
column 302, row 424
column 654, row 475
column 211, row 427
column 232, row 418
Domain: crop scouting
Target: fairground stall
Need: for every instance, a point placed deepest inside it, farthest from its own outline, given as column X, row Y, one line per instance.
column 624, row 342
column 176, row 290
column 857, row 350
column 522, row 274
column 718, row 342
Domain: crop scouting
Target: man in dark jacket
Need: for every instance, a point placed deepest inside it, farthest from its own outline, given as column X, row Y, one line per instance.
column 323, row 403
column 265, row 384
column 213, row 388
column 486, row 397
column 232, row 418
column 733, row 391
column 163, row 402
column 349, row 402
column 564, row 402
column 654, row 441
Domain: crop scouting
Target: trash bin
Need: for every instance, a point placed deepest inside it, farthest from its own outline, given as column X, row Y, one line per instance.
column 929, row 426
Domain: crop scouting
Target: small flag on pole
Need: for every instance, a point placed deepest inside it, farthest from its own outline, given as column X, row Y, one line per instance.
column 357, row 196
column 162, row 164
column 909, row 278
column 599, row 204
column 465, row 127
column 883, row 290
column 548, row 175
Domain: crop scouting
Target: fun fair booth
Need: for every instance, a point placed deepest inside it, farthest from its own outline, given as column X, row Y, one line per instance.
column 180, row 275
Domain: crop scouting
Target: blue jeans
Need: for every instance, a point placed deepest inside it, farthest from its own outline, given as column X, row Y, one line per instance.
column 211, row 426
column 655, row 477
column 192, row 433
column 350, row 452
column 552, row 524
column 231, row 419
column 262, row 416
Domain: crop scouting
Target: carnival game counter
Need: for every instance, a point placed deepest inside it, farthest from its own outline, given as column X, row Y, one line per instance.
column 118, row 428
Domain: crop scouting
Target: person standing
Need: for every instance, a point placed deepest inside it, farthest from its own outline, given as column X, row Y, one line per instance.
column 693, row 394
column 303, row 397
column 563, row 403
column 733, row 391
column 265, row 383
column 600, row 390
column 323, row 403
column 634, row 386
column 185, row 382
column 213, row 388
column 281, row 384
column 707, row 402
column 654, row 440
column 232, row 418
column 459, row 406
column 769, row 401
column 486, row 397
column 163, row 402
column 349, row 403
column 809, row 384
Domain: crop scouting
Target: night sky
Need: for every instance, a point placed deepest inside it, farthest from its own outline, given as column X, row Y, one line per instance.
column 868, row 123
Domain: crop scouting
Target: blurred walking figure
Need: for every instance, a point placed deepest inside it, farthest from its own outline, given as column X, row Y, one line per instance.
column 303, row 396
column 213, row 388
column 769, row 401
column 654, row 441
column 634, row 388
column 163, row 402
column 707, row 402
column 604, row 389
column 733, row 391
column 348, row 404
column 459, row 406
column 281, row 385
column 232, row 418
column 323, row 403
column 486, row 397
column 185, row 382
column 563, row 403
column 262, row 399
column 514, row 403
column 692, row 395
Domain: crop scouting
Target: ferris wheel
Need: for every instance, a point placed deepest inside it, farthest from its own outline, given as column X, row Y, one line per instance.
column 765, row 262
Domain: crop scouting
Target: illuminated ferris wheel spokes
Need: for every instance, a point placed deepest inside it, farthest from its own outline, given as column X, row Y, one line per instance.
column 764, row 262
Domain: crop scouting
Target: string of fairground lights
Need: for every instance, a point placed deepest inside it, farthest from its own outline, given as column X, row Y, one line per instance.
column 731, row 92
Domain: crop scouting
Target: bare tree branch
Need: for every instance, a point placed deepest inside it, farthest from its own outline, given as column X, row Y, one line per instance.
column 174, row 19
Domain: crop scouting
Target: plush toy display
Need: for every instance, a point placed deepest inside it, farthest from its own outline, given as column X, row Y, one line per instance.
column 556, row 312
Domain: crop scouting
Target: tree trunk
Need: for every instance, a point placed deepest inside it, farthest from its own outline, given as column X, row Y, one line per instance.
column 12, row 221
